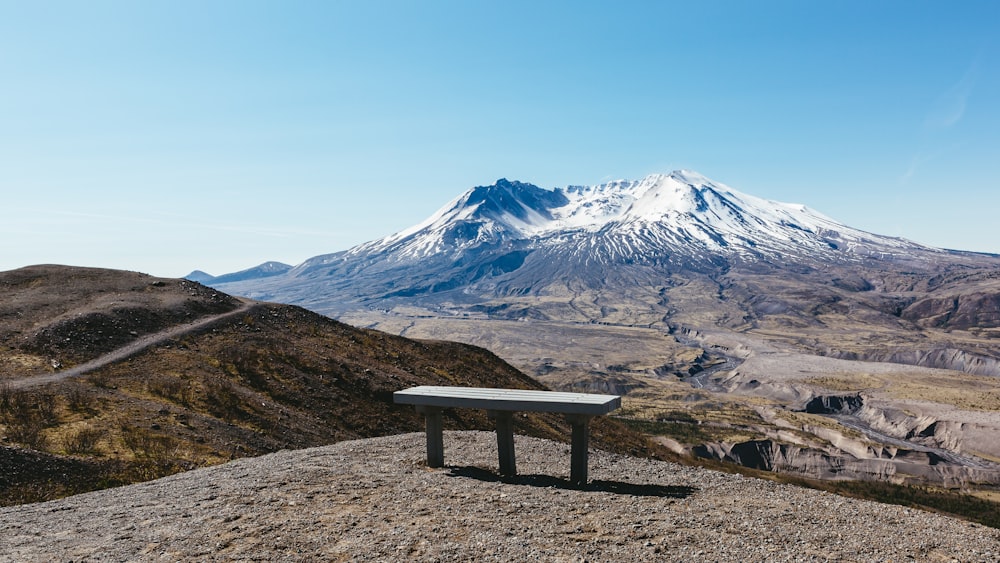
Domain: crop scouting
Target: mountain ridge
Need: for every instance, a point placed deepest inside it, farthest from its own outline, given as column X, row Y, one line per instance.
column 690, row 209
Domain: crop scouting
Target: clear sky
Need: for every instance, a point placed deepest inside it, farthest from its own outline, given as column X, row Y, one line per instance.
column 168, row 136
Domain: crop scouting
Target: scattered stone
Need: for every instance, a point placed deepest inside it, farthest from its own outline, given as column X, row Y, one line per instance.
column 375, row 500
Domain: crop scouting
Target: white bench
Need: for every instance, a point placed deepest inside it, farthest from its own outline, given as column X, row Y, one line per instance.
column 501, row 404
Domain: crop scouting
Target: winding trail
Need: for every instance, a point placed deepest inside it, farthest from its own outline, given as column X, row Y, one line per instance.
column 129, row 349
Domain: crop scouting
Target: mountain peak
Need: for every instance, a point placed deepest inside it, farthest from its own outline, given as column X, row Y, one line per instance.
column 690, row 177
column 682, row 208
column 682, row 219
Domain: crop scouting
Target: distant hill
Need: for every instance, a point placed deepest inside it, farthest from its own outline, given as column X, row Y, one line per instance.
column 199, row 276
column 265, row 270
column 257, row 378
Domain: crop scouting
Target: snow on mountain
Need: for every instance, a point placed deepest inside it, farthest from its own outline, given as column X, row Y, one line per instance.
column 673, row 211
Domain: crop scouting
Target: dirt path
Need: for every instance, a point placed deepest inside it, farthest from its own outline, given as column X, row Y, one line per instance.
column 129, row 349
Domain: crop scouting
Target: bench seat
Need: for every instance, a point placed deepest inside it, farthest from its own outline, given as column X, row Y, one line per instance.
column 500, row 404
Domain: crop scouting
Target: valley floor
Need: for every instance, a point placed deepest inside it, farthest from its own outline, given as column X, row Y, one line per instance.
column 375, row 500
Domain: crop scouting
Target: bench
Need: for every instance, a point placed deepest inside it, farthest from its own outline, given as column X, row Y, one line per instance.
column 501, row 404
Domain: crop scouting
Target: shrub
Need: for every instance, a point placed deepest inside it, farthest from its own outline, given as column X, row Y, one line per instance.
column 100, row 380
column 83, row 441
column 45, row 407
column 27, row 431
column 26, row 415
column 6, row 398
column 79, row 400
column 145, row 444
column 170, row 388
column 223, row 398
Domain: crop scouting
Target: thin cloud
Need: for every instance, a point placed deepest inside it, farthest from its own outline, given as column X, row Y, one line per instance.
column 911, row 170
column 948, row 112
column 920, row 159
column 951, row 106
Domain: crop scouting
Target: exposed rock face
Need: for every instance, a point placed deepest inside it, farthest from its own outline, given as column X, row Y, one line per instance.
column 982, row 361
column 769, row 455
column 883, row 464
column 835, row 404
column 919, row 429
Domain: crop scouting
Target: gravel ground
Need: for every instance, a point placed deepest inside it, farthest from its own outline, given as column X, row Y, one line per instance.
column 375, row 500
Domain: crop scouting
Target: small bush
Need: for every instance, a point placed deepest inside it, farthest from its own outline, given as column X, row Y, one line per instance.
column 145, row 444
column 79, row 400
column 171, row 388
column 26, row 415
column 45, row 407
column 28, row 432
column 83, row 441
column 222, row 398
column 100, row 380
column 6, row 398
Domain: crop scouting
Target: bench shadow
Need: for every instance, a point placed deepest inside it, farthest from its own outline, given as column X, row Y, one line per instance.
column 548, row 481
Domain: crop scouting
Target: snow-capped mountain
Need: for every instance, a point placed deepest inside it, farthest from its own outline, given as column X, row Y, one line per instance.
column 517, row 239
column 694, row 208
column 681, row 218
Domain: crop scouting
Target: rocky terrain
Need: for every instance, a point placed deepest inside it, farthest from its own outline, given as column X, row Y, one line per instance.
column 375, row 500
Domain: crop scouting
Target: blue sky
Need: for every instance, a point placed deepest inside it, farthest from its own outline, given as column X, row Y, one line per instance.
column 170, row 136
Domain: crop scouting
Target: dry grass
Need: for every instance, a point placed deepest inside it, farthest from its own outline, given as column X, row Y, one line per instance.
column 14, row 363
column 967, row 392
column 847, row 383
column 692, row 419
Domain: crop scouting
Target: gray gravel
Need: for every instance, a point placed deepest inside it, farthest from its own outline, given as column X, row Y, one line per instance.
column 375, row 500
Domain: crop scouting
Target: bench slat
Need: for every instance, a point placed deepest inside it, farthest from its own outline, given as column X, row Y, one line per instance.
column 508, row 399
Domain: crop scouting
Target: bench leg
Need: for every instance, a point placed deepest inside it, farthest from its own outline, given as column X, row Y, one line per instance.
column 578, row 457
column 435, row 435
column 505, row 441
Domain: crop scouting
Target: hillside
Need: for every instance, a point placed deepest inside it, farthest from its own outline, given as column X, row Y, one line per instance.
column 375, row 500
column 208, row 378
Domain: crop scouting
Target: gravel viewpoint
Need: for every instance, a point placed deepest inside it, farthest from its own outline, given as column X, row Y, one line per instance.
column 375, row 500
